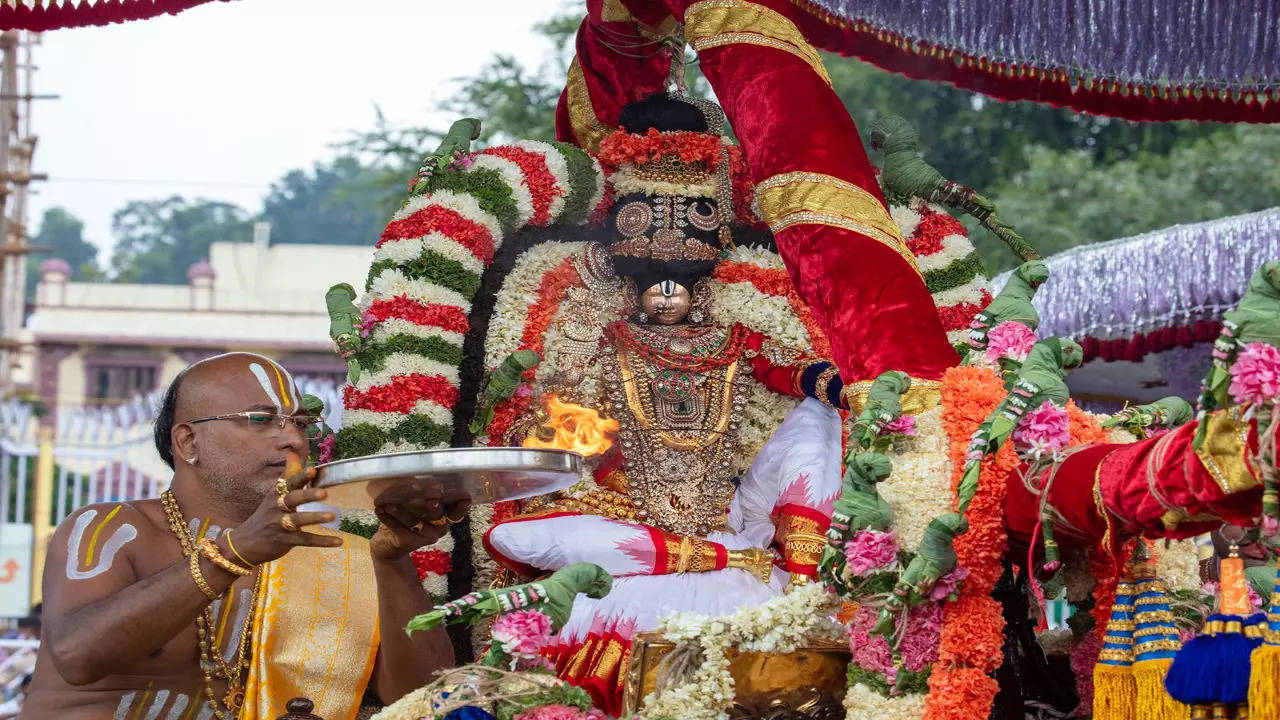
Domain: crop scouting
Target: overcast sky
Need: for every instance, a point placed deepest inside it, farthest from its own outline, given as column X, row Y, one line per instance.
column 221, row 100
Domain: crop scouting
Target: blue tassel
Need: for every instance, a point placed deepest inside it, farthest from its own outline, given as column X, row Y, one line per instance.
column 1214, row 666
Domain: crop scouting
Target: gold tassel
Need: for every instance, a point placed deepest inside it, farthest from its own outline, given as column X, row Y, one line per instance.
column 1153, row 701
column 1264, row 683
column 1115, row 693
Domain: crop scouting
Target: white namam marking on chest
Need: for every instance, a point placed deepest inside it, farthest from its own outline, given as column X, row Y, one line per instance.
column 179, row 704
column 126, row 702
column 157, row 705
column 212, row 532
column 95, row 562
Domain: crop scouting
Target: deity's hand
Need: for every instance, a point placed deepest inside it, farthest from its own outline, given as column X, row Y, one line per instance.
column 411, row 520
column 275, row 528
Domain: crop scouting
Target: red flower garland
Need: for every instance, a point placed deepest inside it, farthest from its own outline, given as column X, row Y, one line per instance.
column 401, row 394
column 929, row 233
column 624, row 148
column 960, row 315
column 541, row 183
column 402, row 307
column 437, row 218
column 431, row 561
column 550, row 292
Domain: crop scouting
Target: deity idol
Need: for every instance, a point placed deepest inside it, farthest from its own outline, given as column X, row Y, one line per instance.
column 678, row 510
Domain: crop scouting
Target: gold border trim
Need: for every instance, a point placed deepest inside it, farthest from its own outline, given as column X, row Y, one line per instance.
column 922, row 396
column 715, row 23
column 587, row 128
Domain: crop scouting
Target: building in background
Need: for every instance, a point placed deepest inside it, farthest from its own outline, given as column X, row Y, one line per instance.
column 102, row 344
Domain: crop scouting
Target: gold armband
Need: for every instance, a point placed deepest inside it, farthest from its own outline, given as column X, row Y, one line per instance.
column 804, row 548
column 199, row 578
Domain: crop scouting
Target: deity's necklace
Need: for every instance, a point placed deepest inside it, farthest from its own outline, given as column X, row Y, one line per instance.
column 211, row 660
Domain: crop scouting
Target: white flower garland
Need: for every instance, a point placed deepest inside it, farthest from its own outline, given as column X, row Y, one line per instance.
column 625, row 181
column 398, row 326
column 518, row 293
column 954, row 247
column 1179, row 565
column 597, row 197
column 779, row 625
column 513, row 176
column 385, row 421
column 392, row 282
column 765, row 411
column 410, row 249
column 919, row 488
column 768, row 314
column 863, row 703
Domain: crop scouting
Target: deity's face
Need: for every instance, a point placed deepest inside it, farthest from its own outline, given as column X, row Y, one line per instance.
column 667, row 302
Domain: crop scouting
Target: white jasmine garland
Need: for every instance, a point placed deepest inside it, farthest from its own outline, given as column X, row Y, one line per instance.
column 765, row 411
column 863, row 703
column 919, row 488
column 392, row 282
column 906, row 218
column 970, row 292
column 462, row 203
column 410, row 249
column 597, row 197
column 513, row 176
column 760, row 256
column 401, row 446
column 781, row 624
column 558, row 168
column 1179, row 565
column 518, row 294
column 768, row 314
column 481, row 520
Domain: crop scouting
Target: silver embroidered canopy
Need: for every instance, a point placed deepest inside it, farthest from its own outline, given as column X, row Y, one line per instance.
column 1166, row 278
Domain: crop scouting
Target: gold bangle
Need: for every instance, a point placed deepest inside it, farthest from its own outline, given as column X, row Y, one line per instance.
column 210, row 550
column 236, row 552
column 199, row 578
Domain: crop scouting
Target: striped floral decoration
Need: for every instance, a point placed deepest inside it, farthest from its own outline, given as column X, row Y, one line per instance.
column 953, row 272
column 424, row 275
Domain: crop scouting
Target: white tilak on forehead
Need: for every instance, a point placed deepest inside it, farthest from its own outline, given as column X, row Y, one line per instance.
column 278, row 384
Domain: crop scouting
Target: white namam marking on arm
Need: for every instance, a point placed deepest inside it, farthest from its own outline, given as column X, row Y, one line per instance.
column 238, row 628
column 154, row 711
column 122, row 710
column 179, row 704
column 205, row 713
column 265, row 381
column 118, row 539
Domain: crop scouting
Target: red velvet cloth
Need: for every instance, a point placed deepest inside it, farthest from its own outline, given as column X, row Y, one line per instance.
column 888, row 53
column 618, row 64
column 53, row 16
column 1121, row 469
column 865, row 296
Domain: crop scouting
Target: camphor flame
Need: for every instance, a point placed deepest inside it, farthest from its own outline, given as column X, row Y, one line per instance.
column 573, row 427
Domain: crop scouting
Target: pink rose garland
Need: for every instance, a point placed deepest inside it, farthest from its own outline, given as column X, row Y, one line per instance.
column 1010, row 339
column 905, row 425
column 870, row 550
column 522, row 633
column 560, row 712
column 1042, row 432
column 1255, row 375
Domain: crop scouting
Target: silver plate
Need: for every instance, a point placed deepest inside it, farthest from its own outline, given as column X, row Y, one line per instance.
column 482, row 475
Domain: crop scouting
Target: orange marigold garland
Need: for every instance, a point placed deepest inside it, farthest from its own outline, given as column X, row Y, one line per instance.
column 972, row 625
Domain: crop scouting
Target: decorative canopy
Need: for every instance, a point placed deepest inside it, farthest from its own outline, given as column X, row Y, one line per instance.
column 1135, row 59
column 1168, row 288
column 42, row 15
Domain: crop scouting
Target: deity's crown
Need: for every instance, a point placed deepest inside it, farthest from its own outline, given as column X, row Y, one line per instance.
column 671, row 150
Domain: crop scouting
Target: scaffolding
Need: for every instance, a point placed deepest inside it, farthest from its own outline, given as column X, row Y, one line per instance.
column 17, row 148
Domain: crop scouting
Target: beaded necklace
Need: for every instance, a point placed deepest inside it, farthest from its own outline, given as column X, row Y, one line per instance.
column 211, row 661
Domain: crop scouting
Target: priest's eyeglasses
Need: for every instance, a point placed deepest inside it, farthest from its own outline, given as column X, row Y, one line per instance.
column 262, row 420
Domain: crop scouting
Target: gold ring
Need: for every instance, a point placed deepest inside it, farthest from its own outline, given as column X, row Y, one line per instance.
column 286, row 522
column 282, row 487
column 284, row 506
column 442, row 520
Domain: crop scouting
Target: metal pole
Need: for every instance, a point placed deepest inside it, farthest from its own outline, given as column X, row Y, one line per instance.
column 41, row 524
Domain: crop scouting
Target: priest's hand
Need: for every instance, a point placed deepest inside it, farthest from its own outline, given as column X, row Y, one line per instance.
column 407, row 522
column 276, row 527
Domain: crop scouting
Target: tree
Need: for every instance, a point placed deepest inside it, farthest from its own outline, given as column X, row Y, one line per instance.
column 63, row 234
column 336, row 203
column 157, row 240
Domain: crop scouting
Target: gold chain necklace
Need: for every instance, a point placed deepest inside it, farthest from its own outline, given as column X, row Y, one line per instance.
column 210, row 656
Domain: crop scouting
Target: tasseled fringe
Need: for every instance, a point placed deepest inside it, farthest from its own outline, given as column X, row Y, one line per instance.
column 1264, row 683
column 1115, row 694
column 1153, row 701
